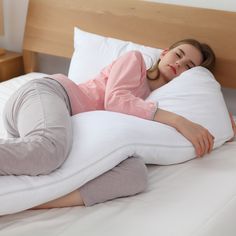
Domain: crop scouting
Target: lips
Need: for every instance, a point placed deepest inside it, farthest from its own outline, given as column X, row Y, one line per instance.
column 173, row 69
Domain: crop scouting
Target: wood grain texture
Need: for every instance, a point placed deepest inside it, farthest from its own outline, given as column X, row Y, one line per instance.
column 50, row 26
column 11, row 65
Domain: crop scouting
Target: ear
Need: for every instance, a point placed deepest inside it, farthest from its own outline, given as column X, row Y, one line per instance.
column 163, row 53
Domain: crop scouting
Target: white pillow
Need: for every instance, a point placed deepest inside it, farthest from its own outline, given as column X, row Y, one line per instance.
column 195, row 94
column 93, row 52
column 102, row 139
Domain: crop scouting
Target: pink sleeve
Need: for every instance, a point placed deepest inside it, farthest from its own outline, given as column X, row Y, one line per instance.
column 126, row 87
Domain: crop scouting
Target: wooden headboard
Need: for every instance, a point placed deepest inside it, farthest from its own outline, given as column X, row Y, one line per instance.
column 50, row 26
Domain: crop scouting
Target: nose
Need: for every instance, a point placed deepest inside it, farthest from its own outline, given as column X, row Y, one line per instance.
column 178, row 63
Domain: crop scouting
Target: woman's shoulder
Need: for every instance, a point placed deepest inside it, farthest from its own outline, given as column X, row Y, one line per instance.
column 134, row 53
column 132, row 56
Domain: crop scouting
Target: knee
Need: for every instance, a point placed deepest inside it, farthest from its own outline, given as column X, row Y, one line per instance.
column 50, row 163
column 48, row 160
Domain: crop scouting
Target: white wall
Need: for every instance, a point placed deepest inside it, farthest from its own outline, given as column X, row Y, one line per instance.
column 14, row 20
column 15, row 12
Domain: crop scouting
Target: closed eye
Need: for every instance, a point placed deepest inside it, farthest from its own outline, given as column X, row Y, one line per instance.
column 178, row 55
column 189, row 67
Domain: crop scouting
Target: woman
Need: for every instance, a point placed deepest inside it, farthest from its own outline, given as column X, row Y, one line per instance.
column 37, row 116
column 129, row 177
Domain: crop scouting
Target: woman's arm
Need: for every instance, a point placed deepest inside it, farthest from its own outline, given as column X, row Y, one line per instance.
column 200, row 137
column 233, row 126
column 127, row 87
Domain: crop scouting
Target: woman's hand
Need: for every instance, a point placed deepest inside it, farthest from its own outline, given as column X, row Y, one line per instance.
column 200, row 137
column 233, row 126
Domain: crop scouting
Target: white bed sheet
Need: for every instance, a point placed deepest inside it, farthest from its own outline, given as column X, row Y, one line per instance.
column 195, row 198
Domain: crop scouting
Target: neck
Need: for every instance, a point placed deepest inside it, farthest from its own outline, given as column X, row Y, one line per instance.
column 155, row 84
column 156, row 79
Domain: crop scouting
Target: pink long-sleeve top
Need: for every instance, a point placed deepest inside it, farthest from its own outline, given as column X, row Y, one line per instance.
column 120, row 87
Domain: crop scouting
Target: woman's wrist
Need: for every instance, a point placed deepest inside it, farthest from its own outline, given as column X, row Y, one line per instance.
column 201, row 139
column 180, row 122
column 168, row 118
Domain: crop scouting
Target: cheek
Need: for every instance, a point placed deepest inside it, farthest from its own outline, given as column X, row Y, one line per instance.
column 160, row 64
column 165, row 61
column 181, row 70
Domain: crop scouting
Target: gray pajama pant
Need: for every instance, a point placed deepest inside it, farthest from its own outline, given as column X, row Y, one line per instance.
column 126, row 179
column 37, row 119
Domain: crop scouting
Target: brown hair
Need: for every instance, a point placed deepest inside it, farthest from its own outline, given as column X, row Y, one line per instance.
column 206, row 51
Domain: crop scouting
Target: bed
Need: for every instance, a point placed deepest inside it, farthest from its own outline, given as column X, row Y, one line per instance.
column 194, row 198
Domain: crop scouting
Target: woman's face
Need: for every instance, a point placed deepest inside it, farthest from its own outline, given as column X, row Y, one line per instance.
column 175, row 61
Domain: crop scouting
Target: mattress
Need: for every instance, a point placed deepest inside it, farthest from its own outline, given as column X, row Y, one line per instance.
column 194, row 198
